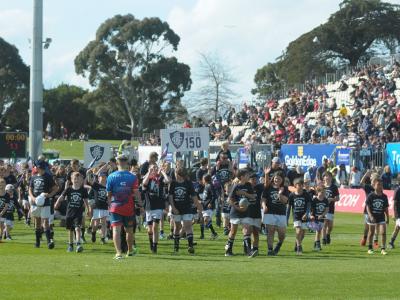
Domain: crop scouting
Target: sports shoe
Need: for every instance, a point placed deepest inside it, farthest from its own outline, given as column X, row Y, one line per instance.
column 135, row 250
column 253, row 253
column 201, row 237
column 93, row 237
column 9, row 238
column 271, row 253
column 162, row 236
column 376, row 245
column 118, row 257
column 70, row 248
column 383, row 252
column 191, row 250
column 50, row 245
column 103, row 241
column 130, row 254
column 370, row 251
column 37, row 245
column 363, row 242
column 79, row 248
column 228, row 253
column 323, row 241
column 214, row 236
column 391, row 245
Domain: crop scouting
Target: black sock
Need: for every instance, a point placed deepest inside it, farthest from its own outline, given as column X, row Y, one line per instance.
column 154, row 247
column 255, row 248
column 52, row 233
column 38, row 233
column 201, row 229
column 247, row 243
column 176, row 241
column 161, row 232
column 190, row 239
column 370, row 247
column 209, row 225
column 151, row 240
column 230, row 243
column 83, row 233
column 48, row 235
column 392, row 240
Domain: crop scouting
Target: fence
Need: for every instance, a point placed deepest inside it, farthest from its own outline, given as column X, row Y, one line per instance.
column 369, row 158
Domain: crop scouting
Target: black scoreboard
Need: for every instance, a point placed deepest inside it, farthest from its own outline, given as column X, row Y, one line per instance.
column 13, row 144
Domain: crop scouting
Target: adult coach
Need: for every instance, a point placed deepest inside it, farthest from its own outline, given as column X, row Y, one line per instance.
column 121, row 187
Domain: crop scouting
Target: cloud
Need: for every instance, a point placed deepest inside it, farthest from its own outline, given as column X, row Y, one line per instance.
column 21, row 21
column 246, row 34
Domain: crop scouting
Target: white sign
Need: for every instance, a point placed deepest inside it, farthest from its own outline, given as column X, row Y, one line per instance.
column 185, row 139
column 96, row 153
column 144, row 152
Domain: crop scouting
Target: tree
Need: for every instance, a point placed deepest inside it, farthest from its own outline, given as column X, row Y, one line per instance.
column 216, row 81
column 64, row 104
column 14, row 88
column 137, row 83
column 351, row 31
column 349, row 36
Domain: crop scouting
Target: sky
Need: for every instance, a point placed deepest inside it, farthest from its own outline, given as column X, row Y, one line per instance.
column 244, row 34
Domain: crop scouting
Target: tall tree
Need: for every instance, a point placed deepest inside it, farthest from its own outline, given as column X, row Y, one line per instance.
column 64, row 104
column 14, row 88
column 128, row 62
column 216, row 80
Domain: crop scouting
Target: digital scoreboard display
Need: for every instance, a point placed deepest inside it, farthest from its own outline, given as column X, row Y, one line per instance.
column 13, row 144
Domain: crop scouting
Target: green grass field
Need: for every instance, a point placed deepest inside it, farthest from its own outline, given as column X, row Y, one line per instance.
column 73, row 149
column 342, row 270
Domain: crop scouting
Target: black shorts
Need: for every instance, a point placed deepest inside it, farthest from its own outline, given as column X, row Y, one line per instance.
column 73, row 222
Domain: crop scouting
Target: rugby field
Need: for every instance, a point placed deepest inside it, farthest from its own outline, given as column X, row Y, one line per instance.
column 342, row 270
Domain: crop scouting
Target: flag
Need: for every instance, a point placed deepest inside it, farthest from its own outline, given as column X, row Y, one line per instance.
column 164, row 152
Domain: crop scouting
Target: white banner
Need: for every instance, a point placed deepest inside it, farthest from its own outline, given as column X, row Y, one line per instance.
column 144, row 152
column 96, row 153
column 185, row 139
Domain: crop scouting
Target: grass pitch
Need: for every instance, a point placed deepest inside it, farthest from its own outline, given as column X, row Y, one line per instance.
column 342, row 270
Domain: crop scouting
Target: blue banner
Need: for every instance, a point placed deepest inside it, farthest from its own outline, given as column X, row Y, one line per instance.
column 308, row 155
column 343, row 156
column 244, row 156
column 393, row 157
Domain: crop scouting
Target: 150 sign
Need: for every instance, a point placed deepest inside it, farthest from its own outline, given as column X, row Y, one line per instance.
column 185, row 139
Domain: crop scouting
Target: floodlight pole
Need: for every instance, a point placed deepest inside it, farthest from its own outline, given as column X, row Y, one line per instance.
column 36, row 83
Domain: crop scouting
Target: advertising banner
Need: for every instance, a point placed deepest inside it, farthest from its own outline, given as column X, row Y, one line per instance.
column 393, row 156
column 343, row 156
column 353, row 200
column 306, row 155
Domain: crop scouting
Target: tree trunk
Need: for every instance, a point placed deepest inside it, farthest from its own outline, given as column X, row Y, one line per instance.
column 216, row 102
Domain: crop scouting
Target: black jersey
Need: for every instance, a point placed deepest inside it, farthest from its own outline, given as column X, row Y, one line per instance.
column 154, row 193
column 396, row 200
column 254, row 210
column 331, row 192
column 377, row 205
column 300, row 205
column 100, row 196
column 234, row 214
column 207, row 196
column 182, row 196
column 75, row 201
column 5, row 199
column 223, row 173
column 318, row 207
column 274, row 205
column 12, row 205
column 42, row 184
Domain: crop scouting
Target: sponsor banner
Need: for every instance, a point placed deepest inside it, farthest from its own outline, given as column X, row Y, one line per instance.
column 96, row 153
column 343, row 156
column 393, row 156
column 185, row 139
column 353, row 200
column 244, row 157
column 306, row 155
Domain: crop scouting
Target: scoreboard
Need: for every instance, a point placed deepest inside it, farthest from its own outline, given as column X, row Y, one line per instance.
column 13, row 144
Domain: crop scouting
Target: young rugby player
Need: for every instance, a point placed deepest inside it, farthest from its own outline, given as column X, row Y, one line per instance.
column 319, row 209
column 4, row 202
column 77, row 200
column 254, row 213
column 377, row 208
column 238, row 215
column 300, row 203
column 274, row 200
column 332, row 194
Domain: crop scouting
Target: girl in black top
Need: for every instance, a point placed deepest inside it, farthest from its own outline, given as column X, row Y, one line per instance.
column 332, row 194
